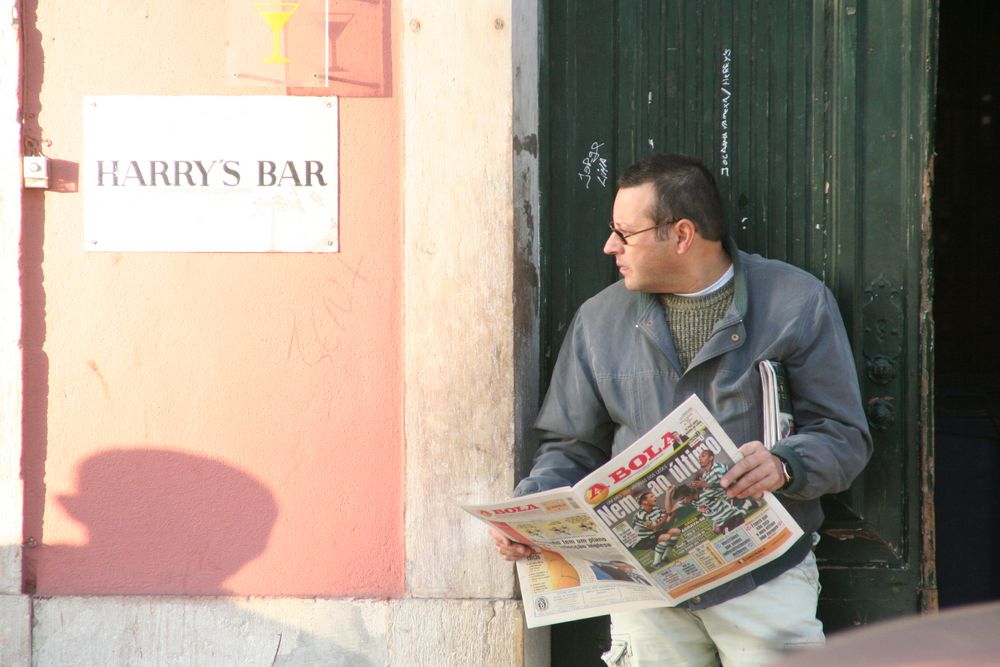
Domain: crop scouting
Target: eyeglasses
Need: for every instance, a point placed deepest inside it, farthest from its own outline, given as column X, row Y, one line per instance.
column 624, row 235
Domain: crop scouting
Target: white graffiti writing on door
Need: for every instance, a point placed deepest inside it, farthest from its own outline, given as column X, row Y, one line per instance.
column 594, row 166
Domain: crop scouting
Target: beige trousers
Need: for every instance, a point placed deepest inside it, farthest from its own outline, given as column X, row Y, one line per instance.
column 757, row 628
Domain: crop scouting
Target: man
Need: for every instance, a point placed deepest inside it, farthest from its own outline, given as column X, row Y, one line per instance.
column 648, row 523
column 694, row 315
column 659, row 529
column 712, row 501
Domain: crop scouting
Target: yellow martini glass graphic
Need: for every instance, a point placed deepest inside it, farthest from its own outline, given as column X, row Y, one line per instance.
column 276, row 14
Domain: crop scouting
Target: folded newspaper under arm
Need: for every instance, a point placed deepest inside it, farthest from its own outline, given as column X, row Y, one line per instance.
column 650, row 528
column 779, row 421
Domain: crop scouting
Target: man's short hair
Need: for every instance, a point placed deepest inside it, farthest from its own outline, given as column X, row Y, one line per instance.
column 684, row 491
column 685, row 188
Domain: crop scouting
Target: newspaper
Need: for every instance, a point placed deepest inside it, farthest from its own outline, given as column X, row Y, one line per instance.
column 650, row 528
column 777, row 399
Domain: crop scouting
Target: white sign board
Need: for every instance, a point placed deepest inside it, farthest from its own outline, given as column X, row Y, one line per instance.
column 210, row 174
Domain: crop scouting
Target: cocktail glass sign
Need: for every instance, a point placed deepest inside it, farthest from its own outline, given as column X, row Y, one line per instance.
column 210, row 174
column 276, row 15
column 278, row 43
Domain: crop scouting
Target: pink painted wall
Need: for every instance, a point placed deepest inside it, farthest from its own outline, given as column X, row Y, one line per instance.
column 206, row 423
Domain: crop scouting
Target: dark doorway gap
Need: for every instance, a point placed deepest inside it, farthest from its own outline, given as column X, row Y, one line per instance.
column 965, row 209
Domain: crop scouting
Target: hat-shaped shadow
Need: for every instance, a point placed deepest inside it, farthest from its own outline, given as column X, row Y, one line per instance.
column 158, row 522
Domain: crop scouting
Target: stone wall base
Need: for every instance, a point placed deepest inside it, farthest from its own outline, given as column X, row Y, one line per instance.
column 208, row 632
column 15, row 630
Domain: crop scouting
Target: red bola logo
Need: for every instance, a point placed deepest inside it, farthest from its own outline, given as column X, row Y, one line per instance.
column 519, row 508
column 597, row 493
column 485, row 513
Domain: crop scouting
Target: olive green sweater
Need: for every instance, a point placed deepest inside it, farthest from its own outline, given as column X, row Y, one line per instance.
column 692, row 318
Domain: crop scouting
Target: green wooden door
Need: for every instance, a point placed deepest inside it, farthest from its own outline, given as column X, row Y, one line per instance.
column 814, row 117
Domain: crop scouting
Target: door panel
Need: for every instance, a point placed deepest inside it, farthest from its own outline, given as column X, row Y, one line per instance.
column 814, row 118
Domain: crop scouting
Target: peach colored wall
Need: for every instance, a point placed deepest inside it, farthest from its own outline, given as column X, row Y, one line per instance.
column 205, row 423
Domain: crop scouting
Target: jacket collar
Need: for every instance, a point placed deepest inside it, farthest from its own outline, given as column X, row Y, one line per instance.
column 739, row 306
column 650, row 318
column 737, row 311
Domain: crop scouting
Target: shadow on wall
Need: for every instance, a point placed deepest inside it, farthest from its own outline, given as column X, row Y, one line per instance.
column 165, row 522
column 359, row 62
column 35, row 388
column 157, row 522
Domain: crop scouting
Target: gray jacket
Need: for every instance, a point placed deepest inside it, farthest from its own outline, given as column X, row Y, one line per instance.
column 618, row 374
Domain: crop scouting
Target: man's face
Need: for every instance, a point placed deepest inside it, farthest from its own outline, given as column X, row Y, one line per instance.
column 707, row 458
column 645, row 262
column 647, row 502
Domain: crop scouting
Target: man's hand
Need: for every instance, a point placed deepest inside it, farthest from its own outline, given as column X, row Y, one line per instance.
column 508, row 548
column 758, row 471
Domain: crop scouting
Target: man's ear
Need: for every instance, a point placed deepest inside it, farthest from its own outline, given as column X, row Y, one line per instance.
column 685, row 232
